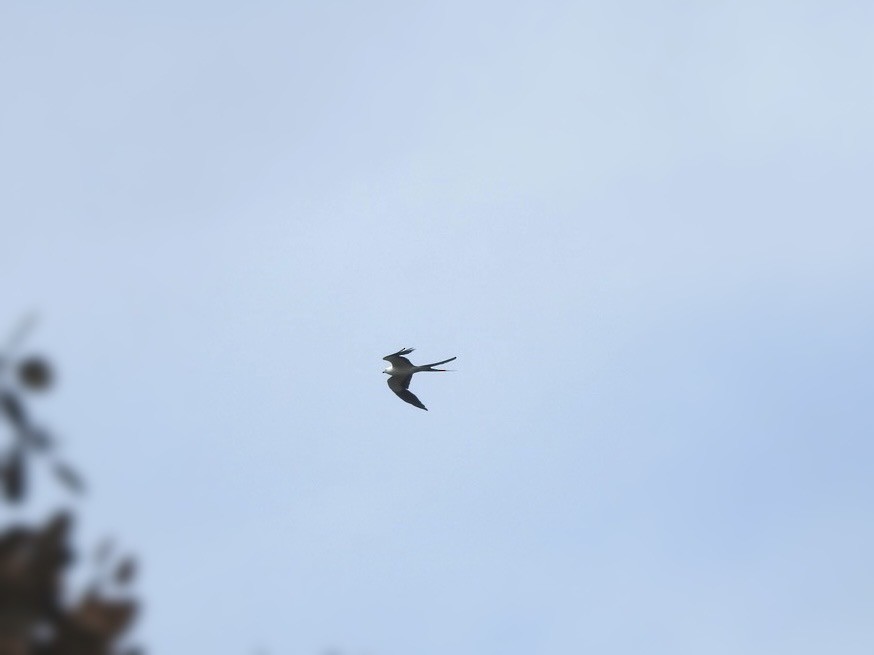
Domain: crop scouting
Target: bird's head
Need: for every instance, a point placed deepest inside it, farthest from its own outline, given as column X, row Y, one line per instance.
column 387, row 371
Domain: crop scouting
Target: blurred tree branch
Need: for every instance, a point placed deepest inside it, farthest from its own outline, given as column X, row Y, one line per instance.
column 35, row 618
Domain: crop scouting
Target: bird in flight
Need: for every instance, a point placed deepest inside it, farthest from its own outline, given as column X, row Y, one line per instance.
column 400, row 372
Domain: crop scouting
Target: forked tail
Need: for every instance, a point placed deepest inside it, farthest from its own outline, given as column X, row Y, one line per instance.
column 430, row 367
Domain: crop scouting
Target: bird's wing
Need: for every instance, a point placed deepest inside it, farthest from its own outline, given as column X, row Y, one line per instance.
column 398, row 362
column 400, row 385
column 397, row 356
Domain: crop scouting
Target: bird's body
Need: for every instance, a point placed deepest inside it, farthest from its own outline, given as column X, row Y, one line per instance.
column 400, row 372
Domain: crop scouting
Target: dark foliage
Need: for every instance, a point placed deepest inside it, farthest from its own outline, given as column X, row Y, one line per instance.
column 36, row 617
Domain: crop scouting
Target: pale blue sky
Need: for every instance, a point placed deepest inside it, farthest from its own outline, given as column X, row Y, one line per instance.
column 644, row 228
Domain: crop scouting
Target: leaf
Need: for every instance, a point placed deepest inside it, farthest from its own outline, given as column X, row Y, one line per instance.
column 105, row 619
column 14, row 410
column 35, row 373
column 13, row 474
column 38, row 439
column 125, row 571
column 69, row 478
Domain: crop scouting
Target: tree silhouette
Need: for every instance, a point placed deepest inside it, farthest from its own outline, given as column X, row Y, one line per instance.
column 35, row 616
